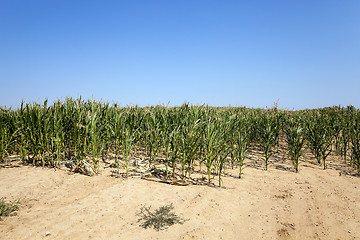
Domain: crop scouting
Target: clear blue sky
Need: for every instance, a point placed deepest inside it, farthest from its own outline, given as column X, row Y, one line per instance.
column 306, row 54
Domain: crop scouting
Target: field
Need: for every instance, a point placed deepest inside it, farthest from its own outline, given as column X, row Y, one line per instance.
column 83, row 170
column 273, row 204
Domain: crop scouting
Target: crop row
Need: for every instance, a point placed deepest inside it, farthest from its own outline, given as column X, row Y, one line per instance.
column 213, row 137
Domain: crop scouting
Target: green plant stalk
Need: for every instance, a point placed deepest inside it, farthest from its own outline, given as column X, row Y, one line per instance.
column 4, row 142
column 127, row 143
column 295, row 143
column 174, row 144
column 243, row 148
column 222, row 162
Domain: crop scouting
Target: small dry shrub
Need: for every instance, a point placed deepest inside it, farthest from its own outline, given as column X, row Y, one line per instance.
column 160, row 219
column 8, row 208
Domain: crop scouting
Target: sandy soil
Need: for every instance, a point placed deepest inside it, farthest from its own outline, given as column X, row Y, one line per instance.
column 273, row 204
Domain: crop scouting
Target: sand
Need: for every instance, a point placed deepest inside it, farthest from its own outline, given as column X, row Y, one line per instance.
column 273, row 204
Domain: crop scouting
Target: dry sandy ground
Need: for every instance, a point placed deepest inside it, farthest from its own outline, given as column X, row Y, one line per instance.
column 273, row 204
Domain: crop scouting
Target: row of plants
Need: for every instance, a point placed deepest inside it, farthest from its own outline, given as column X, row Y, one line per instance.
column 181, row 137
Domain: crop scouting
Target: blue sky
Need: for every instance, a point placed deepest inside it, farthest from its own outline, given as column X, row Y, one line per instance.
column 303, row 54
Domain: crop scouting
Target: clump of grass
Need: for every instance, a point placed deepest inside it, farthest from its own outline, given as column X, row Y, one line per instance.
column 8, row 208
column 160, row 219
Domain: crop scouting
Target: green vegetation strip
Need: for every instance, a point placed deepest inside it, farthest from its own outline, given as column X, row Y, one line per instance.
column 80, row 134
